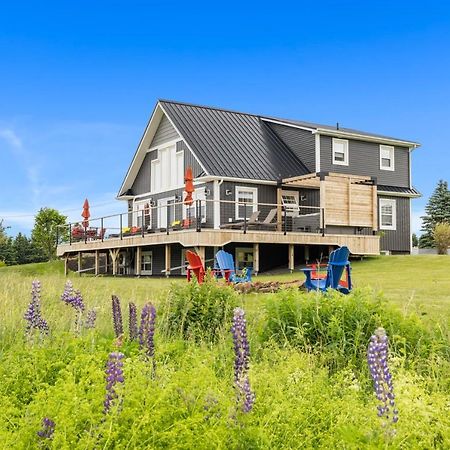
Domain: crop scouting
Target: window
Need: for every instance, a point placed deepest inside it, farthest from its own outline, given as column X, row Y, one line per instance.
column 387, row 214
column 189, row 212
column 387, row 157
column 166, row 212
column 142, row 214
column 246, row 201
column 340, row 152
column 290, row 201
column 146, row 263
column 244, row 257
column 167, row 170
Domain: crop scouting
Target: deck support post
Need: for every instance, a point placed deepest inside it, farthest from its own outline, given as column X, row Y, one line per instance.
column 291, row 257
column 256, row 258
column 80, row 262
column 279, row 207
column 306, row 253
column 138, row 261
column 114, row 253
column 168, row 258
column 201, row 253
column 323, row 200
column 97, row 263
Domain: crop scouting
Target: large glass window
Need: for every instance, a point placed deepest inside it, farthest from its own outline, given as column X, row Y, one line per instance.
column 387, row 214
column 386, row 157
column 340, row 152
column 246, row 202
column 146, row 263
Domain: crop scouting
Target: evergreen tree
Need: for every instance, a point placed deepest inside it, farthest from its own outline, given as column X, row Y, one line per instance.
column 7, row 254
column 437, row 211
column 415, row 240
column 45, row 231
column 25, row 251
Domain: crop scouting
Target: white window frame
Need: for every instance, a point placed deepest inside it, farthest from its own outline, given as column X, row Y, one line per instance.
column 346, row 158
column 292, row 210
column 170, row 176
column 391, row 150
column 198, row 194
column 138, row 207
column 162, row 206
column 146, row 272
column 254, row 203
column 388, row 202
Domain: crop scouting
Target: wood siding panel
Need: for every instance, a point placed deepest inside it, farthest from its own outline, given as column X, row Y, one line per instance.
column 364, row 159
column 165, row 133
column 142, row 184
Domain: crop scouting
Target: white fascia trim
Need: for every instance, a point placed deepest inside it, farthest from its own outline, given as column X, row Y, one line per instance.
column 397, row 194
column 187, row 145
column 288, row 124
column 363, row 137
column 238, row 180
column 138, row 150
column 317, row 152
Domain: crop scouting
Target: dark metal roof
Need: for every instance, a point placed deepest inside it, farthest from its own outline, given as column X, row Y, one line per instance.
column 233, row 144
column 399, row 190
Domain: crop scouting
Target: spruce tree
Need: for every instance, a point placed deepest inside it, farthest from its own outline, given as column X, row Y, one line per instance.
column 437, row 211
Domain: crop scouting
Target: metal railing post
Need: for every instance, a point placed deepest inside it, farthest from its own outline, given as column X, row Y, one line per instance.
column 167, row 218
column 245, row 217
column 197, row 214
column 102, row 229
column 143, row 223
column 85, row 235
column 285, row 219
column 120, row 225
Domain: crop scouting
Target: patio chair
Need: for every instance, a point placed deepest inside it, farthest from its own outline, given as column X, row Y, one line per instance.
column 253, row 220
column 337, row 262
column 267, row 222
column 224, row 265
column 195, row 266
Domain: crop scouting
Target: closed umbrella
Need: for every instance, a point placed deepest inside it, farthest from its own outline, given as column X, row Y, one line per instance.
column 85, row 213
column 188, row 186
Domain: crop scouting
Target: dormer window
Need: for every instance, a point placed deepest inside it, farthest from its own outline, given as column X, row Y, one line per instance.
column 387, row 157
column 340, row 152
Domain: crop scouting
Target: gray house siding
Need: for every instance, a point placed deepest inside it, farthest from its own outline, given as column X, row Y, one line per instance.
column 165, row 133
column 399, row 240
column 301, row 142
column 364, row 159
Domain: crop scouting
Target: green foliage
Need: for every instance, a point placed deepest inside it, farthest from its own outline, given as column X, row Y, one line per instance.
column 339, row 327
column 47, row 224
column 199, row 311
column 437, row 210
column 441, row 236
column 415, row 240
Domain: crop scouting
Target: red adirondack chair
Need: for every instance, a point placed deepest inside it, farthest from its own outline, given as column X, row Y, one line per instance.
column 195, row 266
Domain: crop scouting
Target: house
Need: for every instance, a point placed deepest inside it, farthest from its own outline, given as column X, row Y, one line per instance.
column 272, row 191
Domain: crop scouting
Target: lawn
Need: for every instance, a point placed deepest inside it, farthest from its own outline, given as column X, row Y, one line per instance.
column 307, row 363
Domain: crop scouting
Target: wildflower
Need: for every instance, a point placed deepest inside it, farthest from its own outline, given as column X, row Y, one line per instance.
column 48, row 428
column 114, row 375
column 117, row 316
column 377, row 358
column 241, row 362
column 91, row 317
column 133, row 328
column 74, row 299
column 147, row 332
column 33, row 312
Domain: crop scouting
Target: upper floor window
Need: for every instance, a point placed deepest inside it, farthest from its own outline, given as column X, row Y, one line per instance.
column 290, row 202
column 386, row 157
column 340, row 152
column 246, row 201
column 167, row 170
column 388, row 214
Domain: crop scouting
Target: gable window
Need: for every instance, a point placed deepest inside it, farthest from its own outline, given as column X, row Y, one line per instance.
column 388, row 214
column 246, row 202
column 167, row 170
column 387, row 157
column 340, row 152
column 290, row 201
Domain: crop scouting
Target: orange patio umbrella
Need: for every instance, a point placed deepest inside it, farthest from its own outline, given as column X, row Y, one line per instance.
column 188, row 186
column 85, row 213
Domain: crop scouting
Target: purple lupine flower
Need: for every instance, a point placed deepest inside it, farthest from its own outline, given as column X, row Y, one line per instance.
column 33, row 312
column 245, row 396
column 91, row 317
column 117, row 316
column 114, row 375
column 74, row 299
column 48, row 428
column 147, row 332
column 133, row 328
column 377, row 358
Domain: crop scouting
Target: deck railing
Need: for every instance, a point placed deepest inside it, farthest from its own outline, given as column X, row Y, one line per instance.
column 202, row 214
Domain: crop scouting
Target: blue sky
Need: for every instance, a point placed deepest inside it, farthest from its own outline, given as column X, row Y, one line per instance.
column 79, row 81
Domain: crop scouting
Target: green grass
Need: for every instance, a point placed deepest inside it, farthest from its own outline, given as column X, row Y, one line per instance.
column 190, row 404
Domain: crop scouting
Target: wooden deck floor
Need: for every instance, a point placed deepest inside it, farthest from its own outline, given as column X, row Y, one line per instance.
column 358, row 244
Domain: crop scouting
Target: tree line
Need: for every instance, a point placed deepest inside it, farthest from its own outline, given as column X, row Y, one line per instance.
column 41, row 246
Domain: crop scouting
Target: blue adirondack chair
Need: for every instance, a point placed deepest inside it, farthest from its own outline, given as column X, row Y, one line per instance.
column 338, row 261
column 224, row 266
